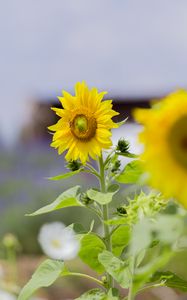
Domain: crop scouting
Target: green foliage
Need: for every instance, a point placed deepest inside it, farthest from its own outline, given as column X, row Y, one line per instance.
column 66, row 199
column 103, row 198
column 143, row 274
column 91, row 246
column 120, row 239
column 117, row 268
column 97, row 294
column 131, row 173
column 170, row 279
column 143, row 205
column 65, row 175
column 44, row 276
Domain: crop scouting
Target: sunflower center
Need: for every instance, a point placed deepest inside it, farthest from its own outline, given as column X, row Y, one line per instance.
column 83, row 127
column 178, row 141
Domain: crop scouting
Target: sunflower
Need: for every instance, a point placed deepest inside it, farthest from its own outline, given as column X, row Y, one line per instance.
column 85, row 124
column 165, row 144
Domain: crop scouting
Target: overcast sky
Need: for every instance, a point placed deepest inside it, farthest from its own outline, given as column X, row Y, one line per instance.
column 129, row 47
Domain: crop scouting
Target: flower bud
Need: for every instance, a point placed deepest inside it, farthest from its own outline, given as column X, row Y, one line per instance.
column 123, row 146
column 74, row 165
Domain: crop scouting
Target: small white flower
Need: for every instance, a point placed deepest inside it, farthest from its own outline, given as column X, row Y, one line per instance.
column 58, row 241
column 6, row 296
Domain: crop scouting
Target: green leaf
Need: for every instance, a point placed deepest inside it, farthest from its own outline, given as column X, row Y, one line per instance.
column 122, row 122
column 171, row 280
column 78, row 228
column 95, row 294
column 65, row 175
column 120, row 239
column 131, row 173
column 91, row 246
column 66, row 199
column 113, row 294
column 141, row 236
column 44, row 276
column 143, row 274
column 127, row 154
column 113, row 188
column 169, row 228
column 102, row 198
column 117, row 268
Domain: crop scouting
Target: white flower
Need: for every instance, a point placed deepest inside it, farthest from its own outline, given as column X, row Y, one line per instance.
column 58, row 241
column 6, row 296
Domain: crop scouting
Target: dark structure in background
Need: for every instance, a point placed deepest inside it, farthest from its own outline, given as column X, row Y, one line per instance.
column 42, row 116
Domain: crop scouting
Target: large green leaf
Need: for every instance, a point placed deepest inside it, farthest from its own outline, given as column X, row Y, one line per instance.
column 91, row 246
column 171, row 280
column 117, row 268
column 103, row 198
column 65, row 175
column 131, row 173
column 66, row 199
column 44, row 276
column 120, row 239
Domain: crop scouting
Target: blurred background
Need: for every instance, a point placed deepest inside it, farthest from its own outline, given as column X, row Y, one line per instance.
column 136, row 50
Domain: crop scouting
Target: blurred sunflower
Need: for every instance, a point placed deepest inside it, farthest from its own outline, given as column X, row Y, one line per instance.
column 85, row 124
column 165, row 144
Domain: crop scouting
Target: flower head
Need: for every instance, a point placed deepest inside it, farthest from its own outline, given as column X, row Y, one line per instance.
column 58, row 241
column 85, row 124
column 165, row 144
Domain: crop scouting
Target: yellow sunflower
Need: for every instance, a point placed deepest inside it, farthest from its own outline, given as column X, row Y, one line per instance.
column 165, row 144
column 85, row 124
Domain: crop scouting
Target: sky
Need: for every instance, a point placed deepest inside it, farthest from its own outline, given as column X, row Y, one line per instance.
column 128, row 47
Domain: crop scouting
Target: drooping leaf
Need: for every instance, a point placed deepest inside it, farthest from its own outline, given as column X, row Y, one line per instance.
column 117, row 268
column 91, row 246
column 131, row 173
column 102, row 198
column 66, row 199
column 65, row 175
column 44, row 276
column 120, row 239
column 171, row 280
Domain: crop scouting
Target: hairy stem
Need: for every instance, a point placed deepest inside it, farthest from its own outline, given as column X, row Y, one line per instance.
column 105, row 214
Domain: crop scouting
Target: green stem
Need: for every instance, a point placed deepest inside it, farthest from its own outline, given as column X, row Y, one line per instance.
column 105, row 214
column 130, row 293
column 84, row 276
